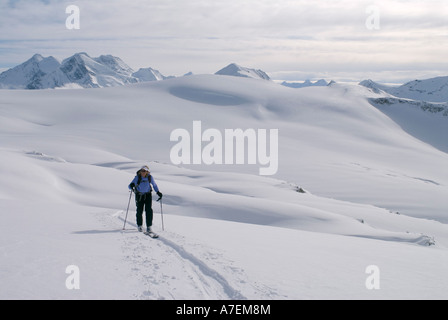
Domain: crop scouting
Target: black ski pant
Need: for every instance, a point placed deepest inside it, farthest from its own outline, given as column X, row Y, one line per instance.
column 144, row 201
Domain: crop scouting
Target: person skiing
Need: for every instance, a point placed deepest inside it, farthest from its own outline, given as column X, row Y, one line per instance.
column 141, row 186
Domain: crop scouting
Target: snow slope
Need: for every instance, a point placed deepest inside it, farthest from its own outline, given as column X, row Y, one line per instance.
column 425, row 120
column 375, row 195
column 410, row 106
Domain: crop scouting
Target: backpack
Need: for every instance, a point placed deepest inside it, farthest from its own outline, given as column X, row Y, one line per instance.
column 139, row 180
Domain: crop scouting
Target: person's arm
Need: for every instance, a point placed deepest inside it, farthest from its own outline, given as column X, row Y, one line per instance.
column 133, row 183
column 156, row 188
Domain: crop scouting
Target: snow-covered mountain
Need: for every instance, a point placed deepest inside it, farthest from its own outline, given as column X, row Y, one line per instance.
column 83, row 71
column 32, row 74
column 431, row 90
column 79, row 70
column 375, row 195
column 410, row 106
column 238, row 71
column 375, row 87
column 307, row 83
column 148, row 74
column 104, row 71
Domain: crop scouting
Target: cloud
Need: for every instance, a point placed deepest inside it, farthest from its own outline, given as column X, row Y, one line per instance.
column 176, row 36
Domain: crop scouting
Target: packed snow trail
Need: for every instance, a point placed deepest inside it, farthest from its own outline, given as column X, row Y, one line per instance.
column 206, row 270
column 156, row 261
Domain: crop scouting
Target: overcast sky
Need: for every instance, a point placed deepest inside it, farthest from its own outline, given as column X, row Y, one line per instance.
column 385, row 40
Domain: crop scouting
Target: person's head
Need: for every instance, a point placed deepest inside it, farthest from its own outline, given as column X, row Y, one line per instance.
column 144, row 171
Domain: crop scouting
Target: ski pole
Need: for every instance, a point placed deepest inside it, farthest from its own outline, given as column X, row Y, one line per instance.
column 161, row 212
column 127, row 210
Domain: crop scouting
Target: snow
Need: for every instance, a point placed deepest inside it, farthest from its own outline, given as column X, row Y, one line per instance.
column 408, row 114
column 433, row 90
column 375, row 195
column 148, row 74
column 104, row 71
column 30, row 74
column 430, row 90
column 236, row 70
column 307, row 83
column 77, row 71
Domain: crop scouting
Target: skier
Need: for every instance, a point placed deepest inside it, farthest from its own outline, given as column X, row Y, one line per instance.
column 141, row 185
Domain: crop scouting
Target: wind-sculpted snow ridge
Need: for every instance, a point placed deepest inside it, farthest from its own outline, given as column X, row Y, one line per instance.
column 217, row 98
column 42, row 156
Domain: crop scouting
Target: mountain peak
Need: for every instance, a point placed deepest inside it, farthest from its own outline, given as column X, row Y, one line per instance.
column 37, row 57
column 79, row 54
column 307, row 83
column 79, row 70
column 148, row 74
column 236, row 70
column 433, row 89
column 29, row 75
column 115, row 64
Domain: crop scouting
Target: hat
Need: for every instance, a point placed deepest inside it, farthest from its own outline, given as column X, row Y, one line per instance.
column 145, row 168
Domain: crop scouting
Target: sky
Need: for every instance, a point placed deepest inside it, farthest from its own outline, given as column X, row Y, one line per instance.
column 389, row 41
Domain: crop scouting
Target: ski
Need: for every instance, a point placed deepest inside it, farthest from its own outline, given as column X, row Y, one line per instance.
column 151, row 234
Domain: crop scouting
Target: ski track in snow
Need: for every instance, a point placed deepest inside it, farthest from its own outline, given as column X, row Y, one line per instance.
column 204, row 269
column 156, row 263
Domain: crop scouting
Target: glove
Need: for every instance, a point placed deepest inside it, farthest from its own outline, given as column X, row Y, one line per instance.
column 160, row 195
column 132, row 186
